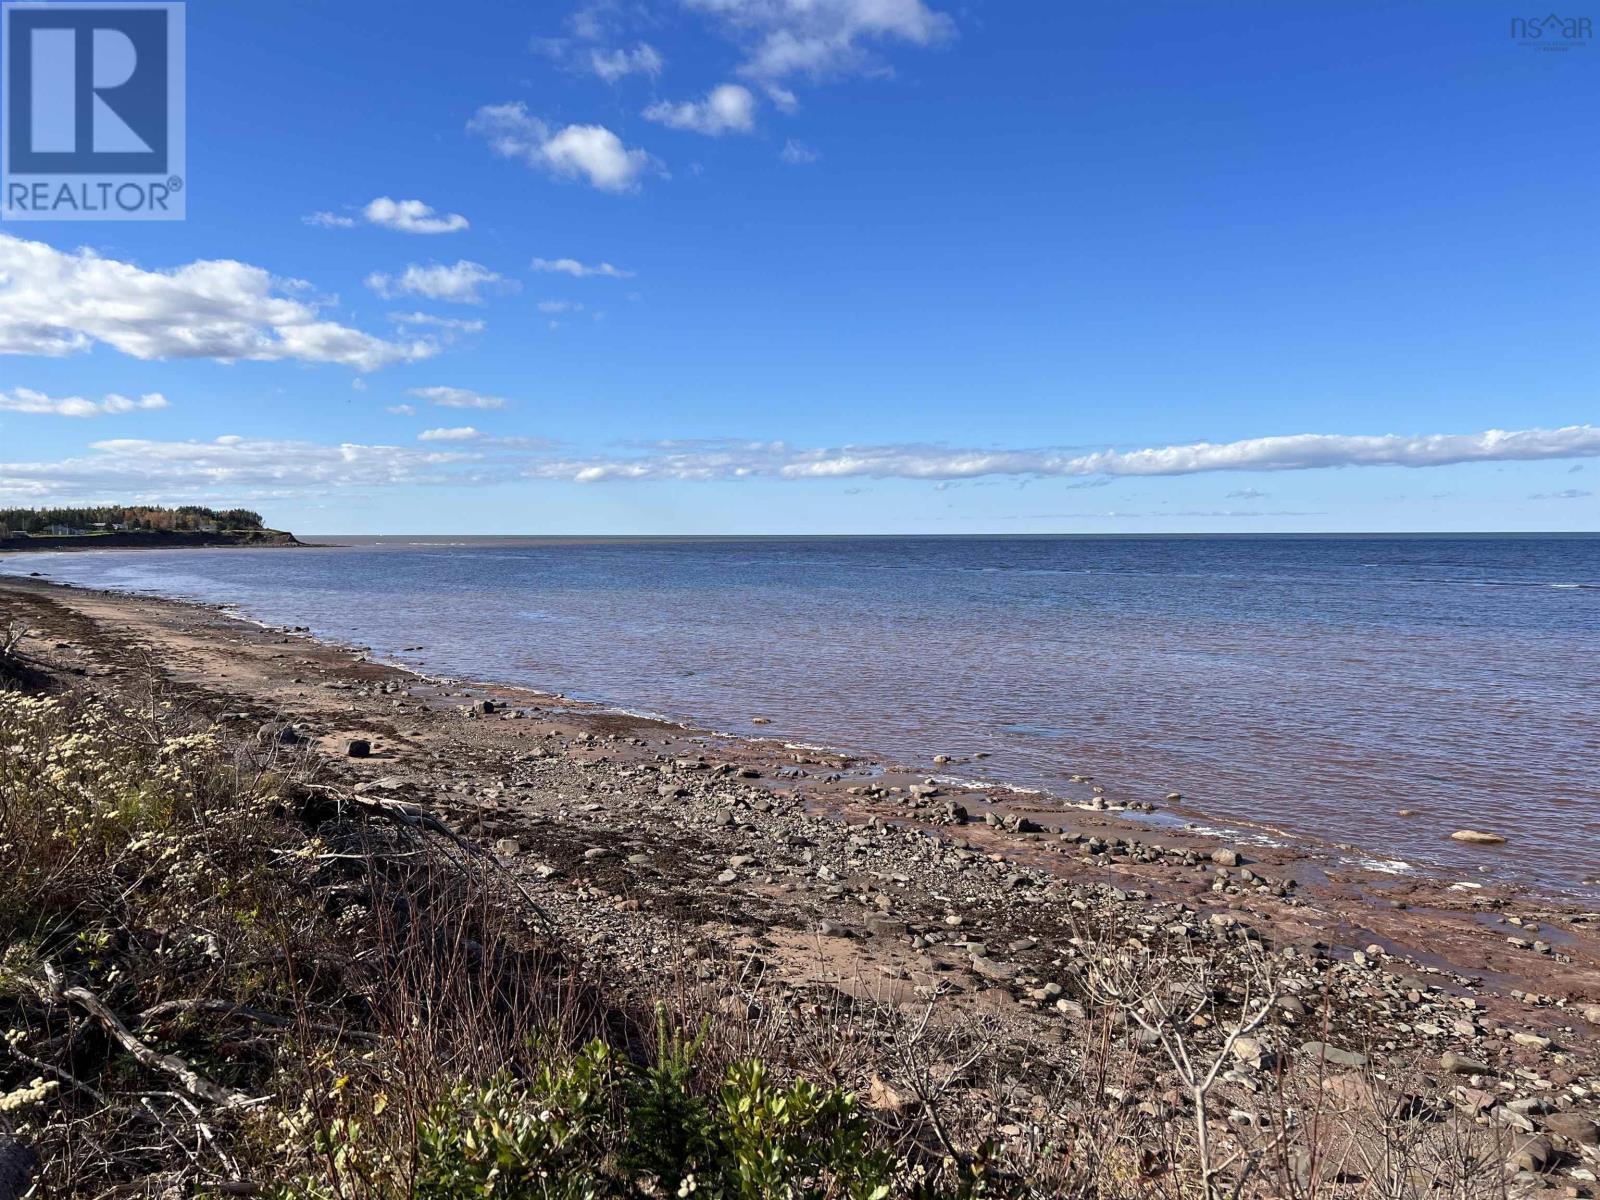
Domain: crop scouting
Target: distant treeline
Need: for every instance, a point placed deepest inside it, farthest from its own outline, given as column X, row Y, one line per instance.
column 190, row 517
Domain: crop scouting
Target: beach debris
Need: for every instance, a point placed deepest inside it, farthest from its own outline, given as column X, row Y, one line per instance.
column 1476, row 837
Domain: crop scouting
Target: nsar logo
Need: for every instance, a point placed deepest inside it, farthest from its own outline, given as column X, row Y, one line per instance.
column 1552, row 32
column 93, row 123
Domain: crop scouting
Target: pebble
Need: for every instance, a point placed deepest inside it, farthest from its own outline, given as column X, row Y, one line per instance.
column 1477, row 837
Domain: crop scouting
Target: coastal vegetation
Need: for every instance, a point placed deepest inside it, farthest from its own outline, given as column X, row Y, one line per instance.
column 188, row 518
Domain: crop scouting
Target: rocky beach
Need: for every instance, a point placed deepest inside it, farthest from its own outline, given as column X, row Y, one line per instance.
column 877, row 892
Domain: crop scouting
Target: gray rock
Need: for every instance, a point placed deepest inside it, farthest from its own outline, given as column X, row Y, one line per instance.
column 1460, row 1064
column 358, row 748
column 1226, row 857
column 1336, row 1055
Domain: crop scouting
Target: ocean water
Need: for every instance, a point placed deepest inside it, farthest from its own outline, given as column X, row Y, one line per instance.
column 1301, row 687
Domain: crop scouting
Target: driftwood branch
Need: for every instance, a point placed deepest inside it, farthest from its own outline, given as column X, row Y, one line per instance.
column 227, row 1008
column 193, row 1082
column 414, row 816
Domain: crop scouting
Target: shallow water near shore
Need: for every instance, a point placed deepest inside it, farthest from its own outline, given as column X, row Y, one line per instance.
column 1311, row 685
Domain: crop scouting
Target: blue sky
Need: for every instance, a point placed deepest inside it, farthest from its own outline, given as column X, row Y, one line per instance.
column 838, row 266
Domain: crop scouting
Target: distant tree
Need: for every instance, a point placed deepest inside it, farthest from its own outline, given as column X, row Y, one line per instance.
column 143, row 516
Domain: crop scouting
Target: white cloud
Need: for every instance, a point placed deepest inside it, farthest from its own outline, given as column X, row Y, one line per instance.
column 728, row 108
column 820, row 38
column 26, row 400
column 1563, row 494
column 447, row 324
column 454, row 397
column 612, row 65
column 551, row 307
column 796, row 153
column 411, row 216
column 590, row 152
column 578, row 270
column 402, row 216
column 460, row 284
column 235, row 465
column 401, row 410
column 1299, row 452
column 57, row 303
column 233, row 468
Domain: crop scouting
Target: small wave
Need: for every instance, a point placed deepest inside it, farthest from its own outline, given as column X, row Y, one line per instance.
column 1387, row 866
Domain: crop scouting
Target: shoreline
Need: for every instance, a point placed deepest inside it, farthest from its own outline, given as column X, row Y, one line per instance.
column 1173, row 816
column 1324, row 888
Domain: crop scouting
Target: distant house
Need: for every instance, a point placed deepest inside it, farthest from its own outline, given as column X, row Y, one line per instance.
column 61, row 530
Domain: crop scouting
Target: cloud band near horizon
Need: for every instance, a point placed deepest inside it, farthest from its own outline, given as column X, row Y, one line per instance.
column 240, row 466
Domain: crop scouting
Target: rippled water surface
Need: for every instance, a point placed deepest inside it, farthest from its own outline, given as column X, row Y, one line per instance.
column 1315, row 685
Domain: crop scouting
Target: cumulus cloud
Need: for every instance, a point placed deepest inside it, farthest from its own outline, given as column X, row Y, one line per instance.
column 26, row 400
column 820, row 38
column 56, row 303
column 797, row 153
column 411, row 216
column 402, row 216
column 728, row 108
column 460, row 284
column 454, row 397
column 589, row 152
column 578, row 270
column 612, row 65
column 461, row 433
column 401, row 410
